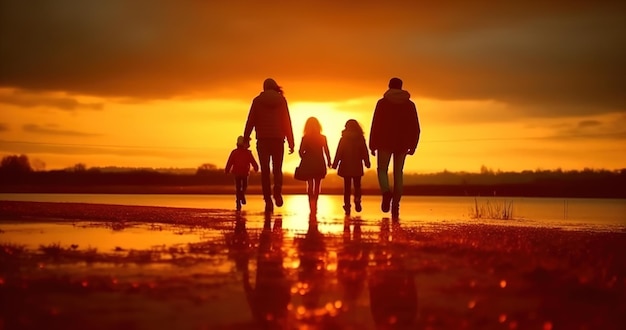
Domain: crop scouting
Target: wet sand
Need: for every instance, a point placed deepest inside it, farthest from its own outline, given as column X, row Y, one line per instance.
column 254, row 272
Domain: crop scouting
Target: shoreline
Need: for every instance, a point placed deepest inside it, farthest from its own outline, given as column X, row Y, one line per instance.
column 477, row 191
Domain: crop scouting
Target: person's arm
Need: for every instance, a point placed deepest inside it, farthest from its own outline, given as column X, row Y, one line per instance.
column 288, row 129
column 327, row 152
column 415, row 129
column 365, row 155
column 375, row 129
column 338, row 153
column 255, row 166
column 250, row 122
column 302, row 148
column 229, row 163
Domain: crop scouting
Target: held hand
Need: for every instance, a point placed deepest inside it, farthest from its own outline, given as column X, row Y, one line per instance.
column 411, row 151
column 373, row 152
column 290, row 150
column 368, row 165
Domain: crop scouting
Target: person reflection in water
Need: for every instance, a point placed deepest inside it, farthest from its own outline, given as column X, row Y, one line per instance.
column 352, row 262
column 238, row 243
column 311, row 272
column 393, row 295
column 269, row 299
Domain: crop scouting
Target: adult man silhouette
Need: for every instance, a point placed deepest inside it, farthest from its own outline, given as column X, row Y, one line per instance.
column 394, row 134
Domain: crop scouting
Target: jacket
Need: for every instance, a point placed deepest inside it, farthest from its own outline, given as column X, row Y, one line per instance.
column 395, row 126
column 239, row 162
column 351, row 154
column 269, row 116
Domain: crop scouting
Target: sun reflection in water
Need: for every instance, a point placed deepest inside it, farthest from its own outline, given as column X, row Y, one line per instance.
column 297, row 212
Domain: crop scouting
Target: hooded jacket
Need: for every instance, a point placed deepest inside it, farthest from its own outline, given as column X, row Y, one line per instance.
column 395, row 126
column 269, row 116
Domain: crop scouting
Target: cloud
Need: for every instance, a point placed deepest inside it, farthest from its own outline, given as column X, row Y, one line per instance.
column 31, row 99
column 4, row 127
column 554, row 58
column 52, row 129
column 609, row 129
column 23, row 147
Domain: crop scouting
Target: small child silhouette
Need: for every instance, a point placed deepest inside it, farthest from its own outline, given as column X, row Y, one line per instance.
column 238, row 164
column 350, row 157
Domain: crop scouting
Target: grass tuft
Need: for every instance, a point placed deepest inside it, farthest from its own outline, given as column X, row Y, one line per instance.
column 492, row 210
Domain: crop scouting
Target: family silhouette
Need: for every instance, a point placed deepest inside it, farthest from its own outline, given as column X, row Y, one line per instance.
column 394, row 134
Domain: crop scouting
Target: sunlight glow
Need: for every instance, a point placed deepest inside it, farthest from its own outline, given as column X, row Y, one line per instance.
column 327, row 208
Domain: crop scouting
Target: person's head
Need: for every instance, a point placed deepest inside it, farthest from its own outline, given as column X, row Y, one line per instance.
column 395, row 83
column 241, row 142
column 312, row 126
column 270, row 85
column 353, row 126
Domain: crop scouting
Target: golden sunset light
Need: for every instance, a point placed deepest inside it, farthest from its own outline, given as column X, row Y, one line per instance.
column 169, row 84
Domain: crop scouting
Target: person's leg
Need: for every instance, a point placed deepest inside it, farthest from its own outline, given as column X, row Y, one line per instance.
column 238, row 192
column 310, row 191
column 346, row 194
column 318, row 187
column 316, row 193
column 398, row 182
column 357, row 193
column 244, row 188
column 278, row 153
column 264, row 163
column 383, row 159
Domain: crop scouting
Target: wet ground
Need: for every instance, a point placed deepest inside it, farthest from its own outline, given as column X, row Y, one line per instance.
column 103, row 267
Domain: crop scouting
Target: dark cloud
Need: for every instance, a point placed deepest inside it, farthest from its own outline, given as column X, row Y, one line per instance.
column 54, row 130
column 589, row 123
column 594, row 129
column 548, row 58
column 4, row 127
column 23, row 147
column 28, row 100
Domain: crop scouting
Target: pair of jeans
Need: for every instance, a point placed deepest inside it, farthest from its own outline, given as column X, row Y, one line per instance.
column 274, row 150
column 383, row 160
column 347, row 187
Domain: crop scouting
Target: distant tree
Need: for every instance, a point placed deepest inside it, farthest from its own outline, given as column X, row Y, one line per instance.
column 15, row 164
column 205, row 169
column 38, row 164
column 78, row 167
column 486, row 170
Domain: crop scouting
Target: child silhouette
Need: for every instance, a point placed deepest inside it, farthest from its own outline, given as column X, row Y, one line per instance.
column 238, row 164
column 315, row 157
column 350, row 157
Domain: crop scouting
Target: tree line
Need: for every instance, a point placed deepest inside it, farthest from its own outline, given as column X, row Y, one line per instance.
column 17, row 174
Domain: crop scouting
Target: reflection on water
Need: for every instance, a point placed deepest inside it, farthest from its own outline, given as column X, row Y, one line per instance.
column 393, row 295
column 269, row 296
column 100, row 236
column 288, row 271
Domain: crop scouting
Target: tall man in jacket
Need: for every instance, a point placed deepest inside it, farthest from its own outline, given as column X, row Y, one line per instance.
column 394, row 134
column 269, row 117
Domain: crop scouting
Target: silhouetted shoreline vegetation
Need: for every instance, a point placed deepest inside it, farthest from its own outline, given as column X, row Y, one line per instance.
column 17, row 176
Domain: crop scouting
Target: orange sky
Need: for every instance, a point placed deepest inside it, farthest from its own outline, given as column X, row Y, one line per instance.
column 512, row 86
